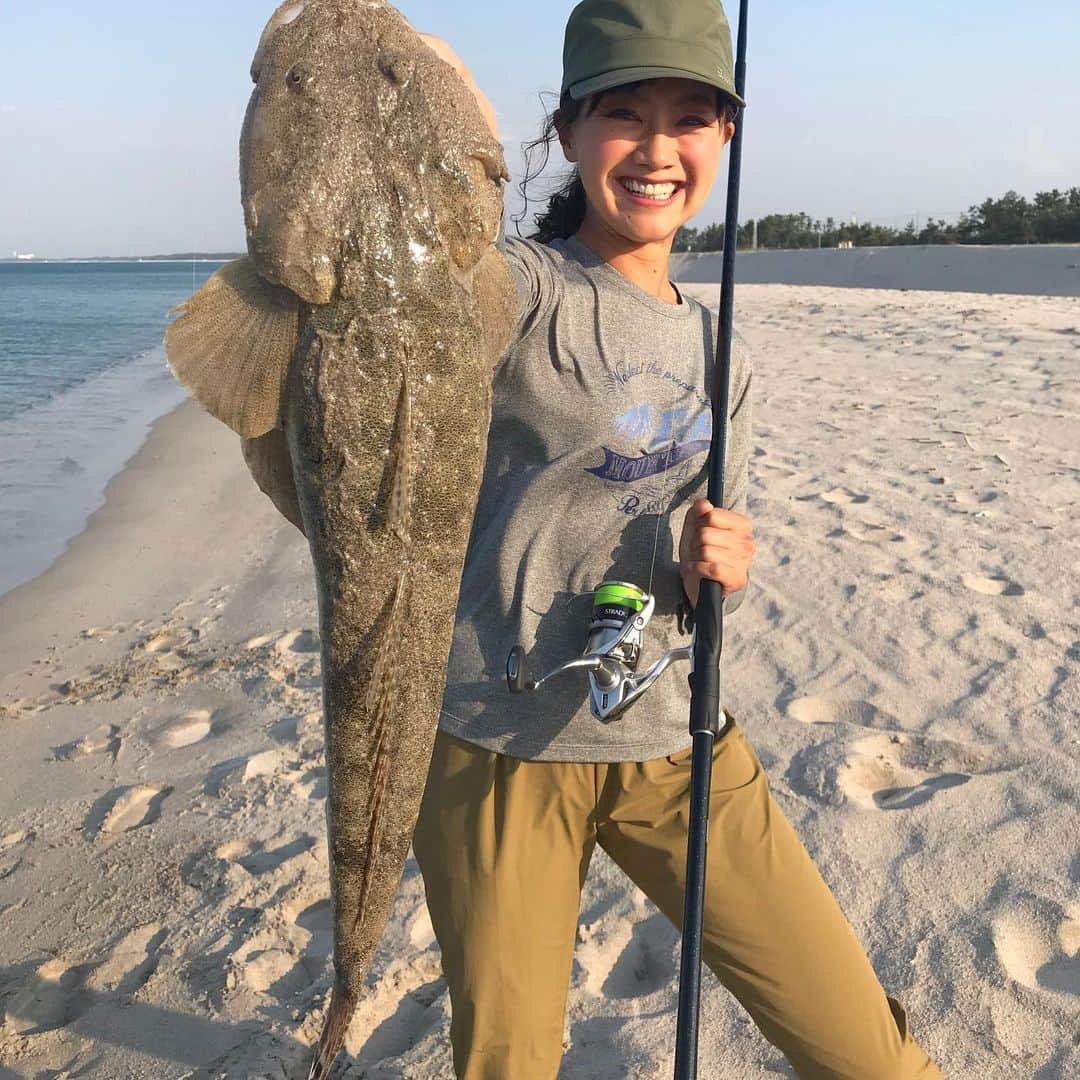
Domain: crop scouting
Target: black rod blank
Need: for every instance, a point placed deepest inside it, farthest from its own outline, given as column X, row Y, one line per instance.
column 709, row 627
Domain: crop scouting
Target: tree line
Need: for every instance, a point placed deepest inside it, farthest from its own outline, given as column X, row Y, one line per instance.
column 1051, row 217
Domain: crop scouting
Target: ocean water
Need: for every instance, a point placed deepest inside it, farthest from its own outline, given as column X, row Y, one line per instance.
column 82, row 378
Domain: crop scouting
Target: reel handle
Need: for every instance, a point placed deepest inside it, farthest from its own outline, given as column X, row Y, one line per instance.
column 517, row 677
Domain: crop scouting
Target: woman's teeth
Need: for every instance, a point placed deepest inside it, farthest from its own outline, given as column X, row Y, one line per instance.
column 660, row 192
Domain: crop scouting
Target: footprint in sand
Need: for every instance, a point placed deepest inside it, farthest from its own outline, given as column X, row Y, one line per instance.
column 170, row 638
column 273, row 970
column 13, row 847
column 58, row 992
column 870, row 532
column 647, row 962
column 265, row 764
column 997, row 585
column 258, row 859
column 895, row 590
column 130, row 962
column 819, row 710
column 879, row 775
column 229, row 774
column 890, row 770
column 13, row 839
column 317, row 920
column 298, row 641
column 1038, row 946
column 599, row 944
column 125, row 809
column 186, row 730
column 841, row 496
column 53, row 996
column 282, row 960
column 106, row 737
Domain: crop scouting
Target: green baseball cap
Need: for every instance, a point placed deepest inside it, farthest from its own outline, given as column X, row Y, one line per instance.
column 612, row 42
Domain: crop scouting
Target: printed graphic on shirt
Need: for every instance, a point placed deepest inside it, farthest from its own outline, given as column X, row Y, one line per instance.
column 652, row 450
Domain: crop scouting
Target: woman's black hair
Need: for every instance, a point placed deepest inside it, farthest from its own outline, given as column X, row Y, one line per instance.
column 566, row 205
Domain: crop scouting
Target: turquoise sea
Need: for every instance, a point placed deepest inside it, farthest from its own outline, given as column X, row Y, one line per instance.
column 82, row 378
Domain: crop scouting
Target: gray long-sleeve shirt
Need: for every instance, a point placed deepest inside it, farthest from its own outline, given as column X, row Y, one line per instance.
column 600, row 430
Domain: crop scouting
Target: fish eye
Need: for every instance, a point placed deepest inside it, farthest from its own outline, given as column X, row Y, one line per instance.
column 297, row 78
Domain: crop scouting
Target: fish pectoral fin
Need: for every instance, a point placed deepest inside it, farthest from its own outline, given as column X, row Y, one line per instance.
column 232, row 344
column 269, row 463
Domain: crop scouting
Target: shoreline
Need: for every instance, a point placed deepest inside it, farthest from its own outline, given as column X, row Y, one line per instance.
column 72, row 542
column 86, row 491
column 187, row 457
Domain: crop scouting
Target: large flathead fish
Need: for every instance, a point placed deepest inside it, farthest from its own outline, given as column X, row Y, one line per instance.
column 352, row 350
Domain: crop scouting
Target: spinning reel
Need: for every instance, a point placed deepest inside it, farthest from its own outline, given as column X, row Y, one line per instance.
column 620, row 614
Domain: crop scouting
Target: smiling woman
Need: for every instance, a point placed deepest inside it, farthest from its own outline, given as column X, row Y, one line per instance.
column 647, row 155
column 566, row 208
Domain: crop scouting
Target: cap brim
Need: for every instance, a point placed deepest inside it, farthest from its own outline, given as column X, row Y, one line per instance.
column 622, row 76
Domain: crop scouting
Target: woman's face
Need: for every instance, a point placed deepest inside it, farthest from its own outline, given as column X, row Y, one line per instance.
column 663, row 132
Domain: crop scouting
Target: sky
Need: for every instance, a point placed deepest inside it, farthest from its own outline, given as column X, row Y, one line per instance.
column 119, row 119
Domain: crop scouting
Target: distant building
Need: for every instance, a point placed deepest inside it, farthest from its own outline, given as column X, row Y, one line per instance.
column 24, row 256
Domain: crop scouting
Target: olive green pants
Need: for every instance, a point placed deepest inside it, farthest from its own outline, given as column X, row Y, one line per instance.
column 504, row 846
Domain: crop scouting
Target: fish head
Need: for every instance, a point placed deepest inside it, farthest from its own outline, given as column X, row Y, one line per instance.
column 358, row 139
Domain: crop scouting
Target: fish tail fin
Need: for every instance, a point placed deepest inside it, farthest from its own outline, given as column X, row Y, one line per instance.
column 335, row 1027
column 232, row 344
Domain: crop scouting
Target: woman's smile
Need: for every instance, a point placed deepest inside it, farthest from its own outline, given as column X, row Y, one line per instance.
column 652, row 193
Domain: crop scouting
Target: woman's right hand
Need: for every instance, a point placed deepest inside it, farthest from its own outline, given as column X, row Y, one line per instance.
column 443, row 51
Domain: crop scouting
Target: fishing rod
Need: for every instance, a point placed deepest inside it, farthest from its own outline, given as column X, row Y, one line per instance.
column 709, row 626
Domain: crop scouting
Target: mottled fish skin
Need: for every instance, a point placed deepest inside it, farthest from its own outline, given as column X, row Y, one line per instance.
column 372, row 188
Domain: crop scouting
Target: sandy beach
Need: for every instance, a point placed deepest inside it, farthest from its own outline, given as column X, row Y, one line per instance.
column 907, row 665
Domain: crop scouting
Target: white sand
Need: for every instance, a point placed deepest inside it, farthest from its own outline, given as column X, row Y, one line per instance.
column 907, row 666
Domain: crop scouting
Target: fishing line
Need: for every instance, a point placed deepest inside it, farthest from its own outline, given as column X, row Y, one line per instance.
column 659, row 518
